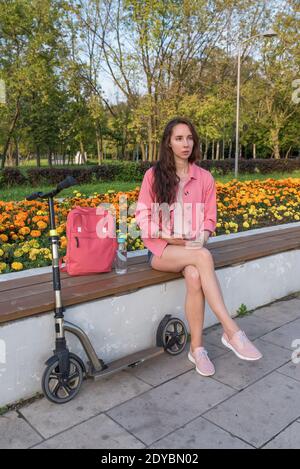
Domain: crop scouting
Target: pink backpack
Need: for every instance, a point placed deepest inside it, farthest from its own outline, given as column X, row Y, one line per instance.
column 92, row 241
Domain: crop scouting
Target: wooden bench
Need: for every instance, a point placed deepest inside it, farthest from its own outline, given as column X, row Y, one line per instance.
column 33, row 295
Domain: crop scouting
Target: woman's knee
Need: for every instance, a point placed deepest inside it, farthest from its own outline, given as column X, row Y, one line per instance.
column 203, row 255
column 192, row 278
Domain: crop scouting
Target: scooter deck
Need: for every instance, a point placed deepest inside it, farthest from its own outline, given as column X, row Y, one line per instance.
column 129, row 361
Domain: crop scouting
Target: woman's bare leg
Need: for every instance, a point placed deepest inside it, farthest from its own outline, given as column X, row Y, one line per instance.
column 176, row 258
column 194, row 304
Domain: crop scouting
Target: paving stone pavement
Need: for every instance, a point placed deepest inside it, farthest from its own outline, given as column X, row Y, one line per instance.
column 164, row 403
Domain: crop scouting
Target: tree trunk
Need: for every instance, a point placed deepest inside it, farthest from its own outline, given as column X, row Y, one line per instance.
column 218, row 150
column 98, row 140
column 206, row 149
column 275, row 143
column 213, row 150
column 49, row 157
column 10, row 155
column 230, row 149
column 17, row 151
column 254, row 151
column 277, row 152
column 287, row 153
column 155, row 151
column 10, row 132
column 38, row 156
column 143, row 152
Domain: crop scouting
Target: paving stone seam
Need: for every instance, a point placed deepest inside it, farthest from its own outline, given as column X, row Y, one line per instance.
column 246, row 387
column 77, row 425
column 191, row 421
column 230, row 397
column 228, row 432
column 287, row 376
column 273, row 343
column 279, row 300
column 20, row 415
column 281, row 431
column 125, row 429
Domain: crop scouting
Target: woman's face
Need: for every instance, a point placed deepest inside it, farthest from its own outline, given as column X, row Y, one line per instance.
column 181, row 141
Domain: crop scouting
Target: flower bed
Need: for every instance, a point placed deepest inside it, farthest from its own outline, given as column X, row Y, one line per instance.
column 24, row 226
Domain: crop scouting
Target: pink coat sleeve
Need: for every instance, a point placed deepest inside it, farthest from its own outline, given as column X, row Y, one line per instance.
column 147, row 223
column 210, row 206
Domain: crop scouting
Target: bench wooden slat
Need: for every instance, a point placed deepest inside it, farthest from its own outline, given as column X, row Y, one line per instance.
column 284, row 233
column 42, row 302
column 68, row 281
column 47, row 277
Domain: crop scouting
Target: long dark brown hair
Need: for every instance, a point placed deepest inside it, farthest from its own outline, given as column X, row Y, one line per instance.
column 165, row 178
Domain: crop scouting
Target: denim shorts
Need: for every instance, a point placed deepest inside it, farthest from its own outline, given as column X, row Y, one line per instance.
column 150, row 257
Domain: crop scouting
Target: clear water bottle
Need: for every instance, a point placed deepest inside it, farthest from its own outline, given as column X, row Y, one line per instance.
column 121, row 255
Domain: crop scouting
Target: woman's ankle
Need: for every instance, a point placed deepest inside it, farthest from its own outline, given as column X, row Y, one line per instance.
column 230, row 331
column 196, row 345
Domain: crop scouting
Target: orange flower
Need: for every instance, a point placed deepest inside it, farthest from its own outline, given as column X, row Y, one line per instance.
column 42, row 225
column 24, row 231
column 35, row 233
column 4, row 238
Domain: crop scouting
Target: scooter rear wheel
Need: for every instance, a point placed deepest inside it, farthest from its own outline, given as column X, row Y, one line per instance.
column 58, row 390
column 172, row 335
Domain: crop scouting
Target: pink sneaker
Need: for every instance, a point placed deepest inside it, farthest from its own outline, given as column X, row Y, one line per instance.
column 241, row 346
column 203, row 364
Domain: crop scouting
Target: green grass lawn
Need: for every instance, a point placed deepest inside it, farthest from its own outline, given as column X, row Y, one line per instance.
column 20, row 192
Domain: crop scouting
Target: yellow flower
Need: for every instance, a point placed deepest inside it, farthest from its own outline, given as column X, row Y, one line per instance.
column 33, row 253
column 1, row 253
column 33, row 243
column 18, row 253
column 246, row 224
column 2, row 266
column 17, row 266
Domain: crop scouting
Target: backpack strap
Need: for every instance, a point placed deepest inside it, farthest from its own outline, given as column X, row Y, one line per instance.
column 60, row 261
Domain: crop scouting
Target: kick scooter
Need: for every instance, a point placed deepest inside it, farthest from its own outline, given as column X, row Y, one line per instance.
column 64, row 373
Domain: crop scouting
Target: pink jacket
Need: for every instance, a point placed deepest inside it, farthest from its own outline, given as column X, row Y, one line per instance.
column 199, row 189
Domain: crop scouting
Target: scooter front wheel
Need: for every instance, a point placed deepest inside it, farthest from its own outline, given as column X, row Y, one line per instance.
column 60, row 390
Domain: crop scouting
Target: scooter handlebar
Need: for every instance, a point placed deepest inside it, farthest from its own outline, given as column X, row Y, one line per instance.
column 34, row 196
column 68, row 182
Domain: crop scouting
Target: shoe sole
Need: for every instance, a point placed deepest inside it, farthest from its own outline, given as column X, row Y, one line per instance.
column 190, row 357
column 226, row 344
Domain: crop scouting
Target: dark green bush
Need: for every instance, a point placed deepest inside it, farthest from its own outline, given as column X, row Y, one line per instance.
column 134, row 171
column 11, row 177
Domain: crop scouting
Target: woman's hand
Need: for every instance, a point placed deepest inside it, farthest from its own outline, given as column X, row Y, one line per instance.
column 175, row 241
column 179, row 241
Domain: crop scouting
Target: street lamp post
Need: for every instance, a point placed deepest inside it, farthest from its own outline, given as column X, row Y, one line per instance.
column 269, row 33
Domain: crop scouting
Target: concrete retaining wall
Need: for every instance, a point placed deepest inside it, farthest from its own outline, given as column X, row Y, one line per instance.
column 123, row 324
